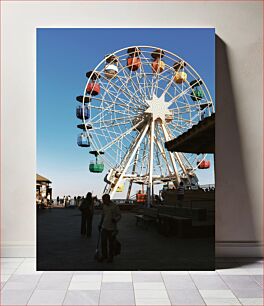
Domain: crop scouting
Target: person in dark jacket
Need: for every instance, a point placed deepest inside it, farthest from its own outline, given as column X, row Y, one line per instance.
column 108, row 227
column 87, row 209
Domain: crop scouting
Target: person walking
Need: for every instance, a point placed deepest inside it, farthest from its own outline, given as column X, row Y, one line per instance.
column 108, row 227
column 180, row 194
column 87, row 209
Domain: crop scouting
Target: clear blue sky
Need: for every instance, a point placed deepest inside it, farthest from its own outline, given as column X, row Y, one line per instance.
column 63, row 58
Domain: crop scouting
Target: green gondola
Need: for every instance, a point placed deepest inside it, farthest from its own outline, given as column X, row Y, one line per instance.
column 197, row 94
column 96, row 166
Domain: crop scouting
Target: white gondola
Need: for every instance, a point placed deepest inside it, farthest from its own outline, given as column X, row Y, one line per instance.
column 111, row 71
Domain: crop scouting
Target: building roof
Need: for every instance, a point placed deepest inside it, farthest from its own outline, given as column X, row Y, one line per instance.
column 42, row 179
column 200, row 138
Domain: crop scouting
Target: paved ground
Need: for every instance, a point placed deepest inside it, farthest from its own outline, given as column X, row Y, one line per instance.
column 61, row 247
column 240, row 282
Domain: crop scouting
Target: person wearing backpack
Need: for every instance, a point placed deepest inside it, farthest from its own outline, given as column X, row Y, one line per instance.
column 87, row 209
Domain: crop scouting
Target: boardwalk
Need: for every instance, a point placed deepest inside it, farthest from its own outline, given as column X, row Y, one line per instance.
column 61, row 247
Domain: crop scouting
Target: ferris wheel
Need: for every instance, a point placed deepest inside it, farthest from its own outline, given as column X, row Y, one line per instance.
column 135, row 100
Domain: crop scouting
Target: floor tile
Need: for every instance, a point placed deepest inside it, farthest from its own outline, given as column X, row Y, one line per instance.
column 20, row 285
column 2, row 284
column 254, row 271
column 25, row 278
column 151, row 294
column 258, row 279
column 85, row 286
column 5, row 277
column 8, row 270
column 149, row 286
column 88, row 272
column 117, row 286
column 178, row 282
column 87, row 278
column 217, row 294
column 152, row 302
column 233, row 271
column 240, row 282
column 251, row 301
column 54, row 281
column 222, row 301
column 174, row 273
column 12, row 259
column 209, row 282
column 10, row 265
column 87, row 297
column 15, row 297
column 185, row 297
column 117, row 277
column 202, row 272
column 27, row 268
column 117, row 297
column 47, row 297
column 248, row 293
column 146, row 277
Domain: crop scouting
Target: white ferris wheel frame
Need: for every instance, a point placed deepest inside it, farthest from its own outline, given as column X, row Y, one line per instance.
column 149, row 127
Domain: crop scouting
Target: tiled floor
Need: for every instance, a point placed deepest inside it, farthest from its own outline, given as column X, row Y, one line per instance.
column 236, row 282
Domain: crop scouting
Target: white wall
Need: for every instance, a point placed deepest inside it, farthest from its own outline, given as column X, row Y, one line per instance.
column 239, row 141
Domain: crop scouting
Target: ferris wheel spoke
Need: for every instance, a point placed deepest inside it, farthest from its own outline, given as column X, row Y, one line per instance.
column 122, row 135
column 122, row 105
column 168, row 86
column 180, row 95
column 116, row 93
column 127, row 94
column 145, row 75
column 111, row 121
column 119, row 112
column 135, row 86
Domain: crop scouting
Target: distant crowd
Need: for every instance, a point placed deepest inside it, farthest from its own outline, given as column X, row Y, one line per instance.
column 68, row 201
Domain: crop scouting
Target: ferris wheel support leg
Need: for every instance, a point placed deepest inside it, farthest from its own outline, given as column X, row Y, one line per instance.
column 151, row 142
column 166, row 135
column 179, row 159
column 133, row 172
column 163, row 154
column 133, row 152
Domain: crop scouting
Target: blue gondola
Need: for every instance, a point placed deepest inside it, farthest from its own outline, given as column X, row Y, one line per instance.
column 82, row 111
column 83, row 140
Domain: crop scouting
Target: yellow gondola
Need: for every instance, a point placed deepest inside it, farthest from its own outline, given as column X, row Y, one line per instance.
column 180, row 77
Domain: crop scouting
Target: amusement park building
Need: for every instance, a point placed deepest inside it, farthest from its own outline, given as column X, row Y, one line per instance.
column 200, row 138
column 43, row 188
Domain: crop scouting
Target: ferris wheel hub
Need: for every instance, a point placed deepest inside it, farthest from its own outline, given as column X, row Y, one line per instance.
column 158, row 108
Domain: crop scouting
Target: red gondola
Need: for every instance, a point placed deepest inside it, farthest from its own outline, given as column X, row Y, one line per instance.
column 133, row 63
column 204, row 164
column 93, row 89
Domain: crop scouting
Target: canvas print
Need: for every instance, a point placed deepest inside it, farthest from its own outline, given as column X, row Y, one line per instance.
column 125, row 149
